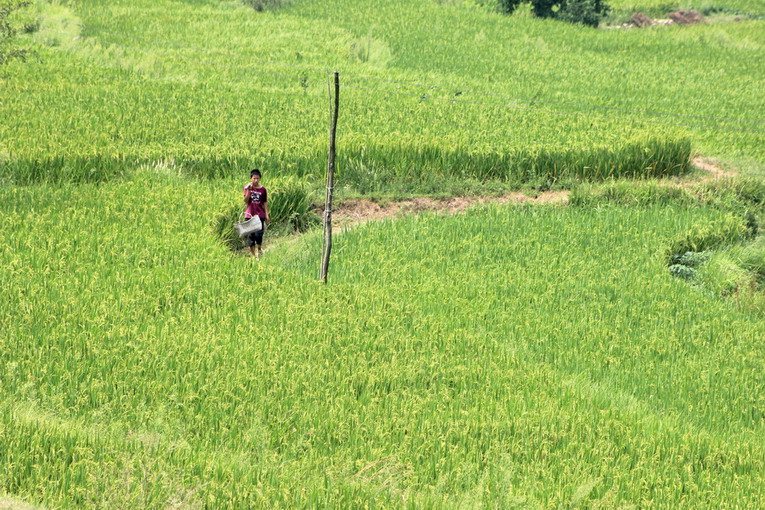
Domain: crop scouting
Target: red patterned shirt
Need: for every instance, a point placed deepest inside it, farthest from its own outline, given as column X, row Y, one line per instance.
column 257, row 205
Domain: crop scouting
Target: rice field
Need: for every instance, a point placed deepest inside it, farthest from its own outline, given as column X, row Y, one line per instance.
column 526, row 356
column 507, row 357
column 208, row 89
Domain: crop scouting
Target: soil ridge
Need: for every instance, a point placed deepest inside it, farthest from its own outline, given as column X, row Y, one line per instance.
column 352, row 212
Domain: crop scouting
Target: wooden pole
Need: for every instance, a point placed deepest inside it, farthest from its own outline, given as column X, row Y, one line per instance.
column 327, row 249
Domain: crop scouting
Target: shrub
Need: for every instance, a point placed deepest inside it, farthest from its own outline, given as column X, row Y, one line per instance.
column 682, row 272
column 686, row 266
column 691, row 258
column 508, row 6
column 587, row 12
column 264, row 5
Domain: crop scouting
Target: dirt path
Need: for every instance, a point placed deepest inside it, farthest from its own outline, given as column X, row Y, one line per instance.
column 712, row 166
column 356, row 211
column 353, row 212
column 7, row 503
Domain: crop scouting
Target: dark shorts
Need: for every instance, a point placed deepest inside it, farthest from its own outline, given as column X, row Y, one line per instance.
column 257, row 237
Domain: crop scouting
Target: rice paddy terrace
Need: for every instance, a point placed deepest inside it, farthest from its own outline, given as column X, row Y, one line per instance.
column 512, row 355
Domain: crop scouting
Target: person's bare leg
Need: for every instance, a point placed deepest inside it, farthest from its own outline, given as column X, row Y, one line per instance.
column 252, row 250
column 260, row 252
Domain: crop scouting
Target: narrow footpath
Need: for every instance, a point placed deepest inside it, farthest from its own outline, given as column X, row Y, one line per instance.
column 356, row 211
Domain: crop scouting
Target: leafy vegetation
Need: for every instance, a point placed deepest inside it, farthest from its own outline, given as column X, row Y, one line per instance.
column 586, row 12
column 511, row 356
column 8, row 30
column 216, row 107
column 722, row 258
column 493, row 358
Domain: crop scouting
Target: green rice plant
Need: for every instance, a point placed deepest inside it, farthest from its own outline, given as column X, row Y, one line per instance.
column 116, row 96
column 727, row 268
column 752, row 257
column 735, row 272
column 223, row 228
column 746, row 192
column 722, row 276
column 728, row 230
column 744, row 196
column 292, row 202
column 511, row 355
column 628, row 193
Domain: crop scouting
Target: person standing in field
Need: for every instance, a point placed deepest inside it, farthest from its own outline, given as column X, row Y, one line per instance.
column 256, row 198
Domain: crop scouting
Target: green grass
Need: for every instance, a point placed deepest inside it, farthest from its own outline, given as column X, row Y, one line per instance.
column 529, row 356
column 724, row 257
column 737, row 272
column 541, row 101
column 506, row 357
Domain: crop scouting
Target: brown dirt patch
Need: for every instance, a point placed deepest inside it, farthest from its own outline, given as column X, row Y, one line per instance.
column 713, row 172
column 355, row 211
column 679, row 17
column 14, row 504
column 686, row 17
column 713, row 167
column 352, row 212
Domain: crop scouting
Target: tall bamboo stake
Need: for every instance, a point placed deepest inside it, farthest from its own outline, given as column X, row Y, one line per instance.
column 327, row 249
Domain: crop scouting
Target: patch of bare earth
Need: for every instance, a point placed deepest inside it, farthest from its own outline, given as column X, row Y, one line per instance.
column 353, row 212
column 14, row 504
column 679, row 17
column 714, row 169
column 712, row 172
